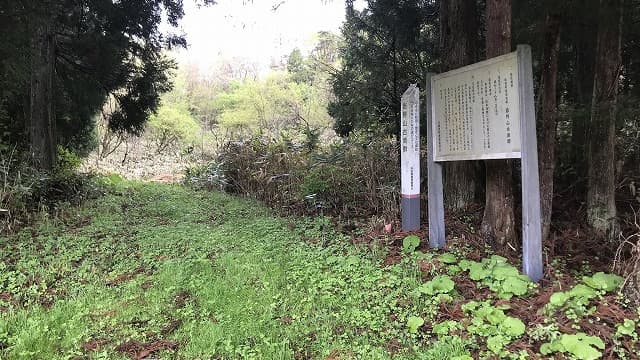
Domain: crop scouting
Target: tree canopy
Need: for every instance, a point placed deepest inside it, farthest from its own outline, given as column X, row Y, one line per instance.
column 101, row 48
column 386, row 46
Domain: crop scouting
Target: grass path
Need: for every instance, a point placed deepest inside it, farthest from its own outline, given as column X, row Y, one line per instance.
column 163, row 271
column 154, row 271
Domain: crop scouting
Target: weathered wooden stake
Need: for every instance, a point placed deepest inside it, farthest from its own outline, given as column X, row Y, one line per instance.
column 531, row 226
column 434, row 179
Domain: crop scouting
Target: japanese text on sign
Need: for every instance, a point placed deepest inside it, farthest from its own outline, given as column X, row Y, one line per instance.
column 476, row 111
column 410, row 141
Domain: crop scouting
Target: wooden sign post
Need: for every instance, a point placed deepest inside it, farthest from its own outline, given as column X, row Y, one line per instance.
column 486, row 111
column 410, row 158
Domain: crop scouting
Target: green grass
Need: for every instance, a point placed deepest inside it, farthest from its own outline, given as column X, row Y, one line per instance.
column 213, row 277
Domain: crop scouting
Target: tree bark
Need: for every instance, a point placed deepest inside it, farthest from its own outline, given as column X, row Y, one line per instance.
column 585, row 36
column 601, row 206
column 498, row 223
column 459, row 44
column 41, row 111
column 549, row 118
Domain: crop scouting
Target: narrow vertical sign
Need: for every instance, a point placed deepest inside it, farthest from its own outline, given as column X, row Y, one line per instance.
column 410, row 158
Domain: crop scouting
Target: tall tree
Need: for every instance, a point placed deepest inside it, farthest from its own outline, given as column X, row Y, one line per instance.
column 580, row 34
column 41, row 112
column 387, row 46
column 459, row 41
column 549, row 115
column 601, row 206
column 498, row 223
column 80, row 53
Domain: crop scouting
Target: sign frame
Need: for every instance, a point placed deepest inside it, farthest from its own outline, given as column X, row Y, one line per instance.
column 531, row 223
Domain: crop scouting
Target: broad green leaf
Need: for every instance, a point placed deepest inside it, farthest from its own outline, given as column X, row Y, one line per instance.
column 414, row 322
column 466, row 264
column 478, row 272
column 558, row 299
column 441, row 284
column 582, row 346
column 515, row 286
column 547, row 348
column 410, row 243
column 447, row 258
column 470, row 306
column 513, row 327
column 628, row 327
column 602, row 281
column 498, row 259
column 502, row 272
column 583, row 293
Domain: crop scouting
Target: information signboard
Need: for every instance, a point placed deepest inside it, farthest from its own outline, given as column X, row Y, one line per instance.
column 486, row 111
column 476, row 111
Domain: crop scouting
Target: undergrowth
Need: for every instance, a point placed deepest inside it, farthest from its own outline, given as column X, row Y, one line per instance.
column 27, row 193
column 345, row 178
column 161, row 271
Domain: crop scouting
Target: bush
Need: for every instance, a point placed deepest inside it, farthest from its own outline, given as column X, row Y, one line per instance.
column 210, row 176
column 355, row 177
column 68, row 162
column 25, row 189
column 171, row 127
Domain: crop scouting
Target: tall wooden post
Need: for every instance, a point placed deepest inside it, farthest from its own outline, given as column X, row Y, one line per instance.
column 434, row 178
column 531, row 225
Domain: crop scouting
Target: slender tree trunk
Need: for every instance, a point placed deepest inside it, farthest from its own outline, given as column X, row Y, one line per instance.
column 548, row 120
column 498, row 224
column 601, row 206
column 459, row 44
column 41, row 111
column 583, row 88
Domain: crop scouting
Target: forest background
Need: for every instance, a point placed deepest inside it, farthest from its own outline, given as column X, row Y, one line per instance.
column 91, row 83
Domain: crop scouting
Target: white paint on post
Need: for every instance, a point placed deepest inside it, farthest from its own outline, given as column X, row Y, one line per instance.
column 531, row 224
column 434, row 178
column 410, row 158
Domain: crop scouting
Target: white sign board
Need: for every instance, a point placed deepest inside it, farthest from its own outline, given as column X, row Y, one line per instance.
column 410, row 142
column 486, row 111
column 476, row 111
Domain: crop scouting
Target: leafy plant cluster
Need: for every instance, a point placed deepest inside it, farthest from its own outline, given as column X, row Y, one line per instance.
column 575, row 302
column 501, row 277
column 580, row 346
column 209, row 176
column 492, row 323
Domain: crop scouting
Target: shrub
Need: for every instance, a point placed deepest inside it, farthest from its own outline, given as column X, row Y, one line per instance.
column 208, row 176
column 358, row 176
column 25, row 189
column 172, row 126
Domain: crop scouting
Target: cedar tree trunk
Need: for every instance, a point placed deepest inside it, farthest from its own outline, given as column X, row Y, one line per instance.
column 548, row 120
column 41, row 112
column 601, row 206
column 498, row 224
column 459, row 44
